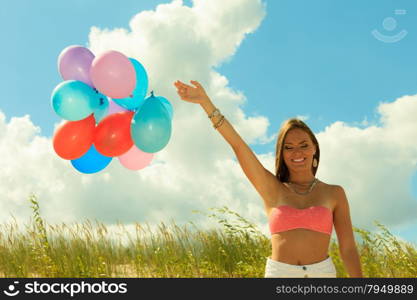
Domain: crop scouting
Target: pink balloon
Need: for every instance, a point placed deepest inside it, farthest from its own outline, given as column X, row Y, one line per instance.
column 114, row 108
column 135, row 159
column 113, row 74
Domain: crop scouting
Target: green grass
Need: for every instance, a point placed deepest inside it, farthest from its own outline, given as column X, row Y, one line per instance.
column 235, row 249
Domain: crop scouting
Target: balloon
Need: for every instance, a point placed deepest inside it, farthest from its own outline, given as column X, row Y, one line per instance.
column 113, row 74
column 74, row 100
column 91, row 162
column 151, row 126
column 73, row 139
column 167, row 105
column 114, row 108
column 137, row 98
column 112, row 135
column 135, row 159
column 102, row 110
column 74, row 63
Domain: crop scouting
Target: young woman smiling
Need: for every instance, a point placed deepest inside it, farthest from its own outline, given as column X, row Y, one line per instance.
column 301, row 209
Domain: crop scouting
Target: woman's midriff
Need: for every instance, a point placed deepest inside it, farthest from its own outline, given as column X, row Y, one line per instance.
column 300, row 246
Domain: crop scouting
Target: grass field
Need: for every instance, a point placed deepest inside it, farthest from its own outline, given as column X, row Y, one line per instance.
column 235, row 249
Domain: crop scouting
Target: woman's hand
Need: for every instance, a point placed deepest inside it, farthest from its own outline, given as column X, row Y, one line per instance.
column 188, row 93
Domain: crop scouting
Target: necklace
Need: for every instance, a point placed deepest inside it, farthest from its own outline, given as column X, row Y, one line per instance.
column 312, row 184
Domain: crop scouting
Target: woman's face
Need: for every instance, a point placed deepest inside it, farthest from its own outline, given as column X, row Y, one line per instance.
column 298, row 150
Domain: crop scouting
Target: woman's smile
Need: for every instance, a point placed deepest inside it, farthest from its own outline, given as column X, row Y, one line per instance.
column 298, row 161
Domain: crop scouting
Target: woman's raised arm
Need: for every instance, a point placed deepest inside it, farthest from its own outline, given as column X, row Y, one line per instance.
column 262, row 179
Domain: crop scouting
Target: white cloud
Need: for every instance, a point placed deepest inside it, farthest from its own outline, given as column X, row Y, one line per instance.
column 303, row 117
column 374, row 164
column 197, row 169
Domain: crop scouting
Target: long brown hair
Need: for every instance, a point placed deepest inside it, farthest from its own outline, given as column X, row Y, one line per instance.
column 281, row 170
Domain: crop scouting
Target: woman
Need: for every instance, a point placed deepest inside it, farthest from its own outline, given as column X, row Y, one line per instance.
column 301, row 209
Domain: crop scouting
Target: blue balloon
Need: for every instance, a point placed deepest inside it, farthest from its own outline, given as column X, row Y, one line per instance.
column 91, row 162
column 167, row 105
column 74, row 100
column 151, row 126
column 139, row 93
column 101, row 111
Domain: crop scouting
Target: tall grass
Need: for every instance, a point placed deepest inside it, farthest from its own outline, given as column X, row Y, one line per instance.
column 235, row 249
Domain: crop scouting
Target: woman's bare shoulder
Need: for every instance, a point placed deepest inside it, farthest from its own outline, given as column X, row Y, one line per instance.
column 330, row 187
column 332, row 191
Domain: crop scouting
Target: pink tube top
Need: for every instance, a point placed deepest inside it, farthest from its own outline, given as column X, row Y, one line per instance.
column 316, row 218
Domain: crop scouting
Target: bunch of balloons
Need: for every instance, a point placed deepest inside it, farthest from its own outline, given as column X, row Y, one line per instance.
column 104, row 101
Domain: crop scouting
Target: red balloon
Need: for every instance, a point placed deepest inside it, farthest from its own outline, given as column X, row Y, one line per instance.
column 112, row 135
column 73, row 139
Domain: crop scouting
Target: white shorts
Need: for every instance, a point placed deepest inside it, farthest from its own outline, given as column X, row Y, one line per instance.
column 324, row 268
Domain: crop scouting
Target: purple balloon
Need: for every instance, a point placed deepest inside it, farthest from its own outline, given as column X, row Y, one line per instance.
column 114, row 108
column 74, row 63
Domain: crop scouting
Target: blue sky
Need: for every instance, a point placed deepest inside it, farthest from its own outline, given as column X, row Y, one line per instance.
column 312, row 58
column 317, row 59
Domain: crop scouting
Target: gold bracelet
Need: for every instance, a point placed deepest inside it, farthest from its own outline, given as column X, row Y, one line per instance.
column 219, row 123
column 215, row 112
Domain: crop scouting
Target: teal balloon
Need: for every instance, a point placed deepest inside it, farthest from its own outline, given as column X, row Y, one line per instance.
column 74, row 100
column 139, row 93
column 151, row 126
column 167, row 105
column 91, row 162
column 101, row 111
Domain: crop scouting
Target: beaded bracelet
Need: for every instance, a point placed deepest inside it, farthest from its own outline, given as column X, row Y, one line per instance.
column 219, row 123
